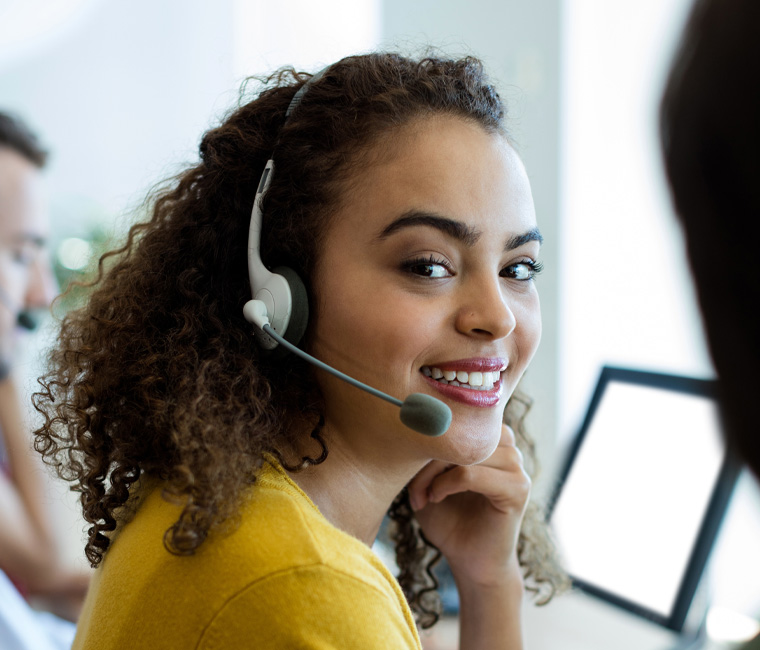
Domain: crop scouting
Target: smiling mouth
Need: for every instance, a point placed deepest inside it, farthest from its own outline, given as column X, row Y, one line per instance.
column 480, row 381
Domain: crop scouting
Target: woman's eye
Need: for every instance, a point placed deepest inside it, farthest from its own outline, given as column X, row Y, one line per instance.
column 428, row 268
column 522, row 271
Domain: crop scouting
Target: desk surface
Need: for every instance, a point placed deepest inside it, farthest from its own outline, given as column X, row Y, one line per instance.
column 575, row 622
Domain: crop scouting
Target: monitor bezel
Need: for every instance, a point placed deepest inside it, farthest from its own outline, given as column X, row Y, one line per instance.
column 713, row 514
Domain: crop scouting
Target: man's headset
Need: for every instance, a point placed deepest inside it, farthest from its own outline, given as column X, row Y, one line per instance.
column 279, row 309
column 24, row 317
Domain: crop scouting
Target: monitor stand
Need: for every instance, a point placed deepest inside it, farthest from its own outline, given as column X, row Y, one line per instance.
column 694, row 635
column 692, row 642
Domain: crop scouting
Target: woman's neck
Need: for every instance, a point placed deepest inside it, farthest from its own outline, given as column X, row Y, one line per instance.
column 353, row 488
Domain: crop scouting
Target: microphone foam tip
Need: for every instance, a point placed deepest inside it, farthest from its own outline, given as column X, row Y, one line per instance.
column 425, row 414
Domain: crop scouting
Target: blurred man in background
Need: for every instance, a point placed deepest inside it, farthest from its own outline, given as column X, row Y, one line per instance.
column 28, row 550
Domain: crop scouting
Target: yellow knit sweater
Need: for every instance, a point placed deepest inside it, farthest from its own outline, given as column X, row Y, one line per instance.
column 284, row 578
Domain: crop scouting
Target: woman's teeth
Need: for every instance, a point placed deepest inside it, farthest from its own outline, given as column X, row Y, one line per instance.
column 473, row 380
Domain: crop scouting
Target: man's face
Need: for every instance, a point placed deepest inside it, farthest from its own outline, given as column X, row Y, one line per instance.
column 26, row 278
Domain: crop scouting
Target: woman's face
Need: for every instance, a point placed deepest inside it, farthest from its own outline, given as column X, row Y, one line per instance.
column 425, row 276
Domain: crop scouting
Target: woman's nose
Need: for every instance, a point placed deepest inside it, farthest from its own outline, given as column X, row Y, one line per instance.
column 485, row 310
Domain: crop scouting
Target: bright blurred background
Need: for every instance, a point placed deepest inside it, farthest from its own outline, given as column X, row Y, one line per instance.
column 121, row 93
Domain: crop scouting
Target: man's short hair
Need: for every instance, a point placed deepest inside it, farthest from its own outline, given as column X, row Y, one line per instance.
column 17, row 136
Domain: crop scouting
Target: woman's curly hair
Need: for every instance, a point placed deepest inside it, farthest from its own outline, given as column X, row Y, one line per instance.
column 158, row 374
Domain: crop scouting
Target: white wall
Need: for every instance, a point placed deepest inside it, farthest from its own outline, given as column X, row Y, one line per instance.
column 122, row 97
column 626, row 295
column 122, row 92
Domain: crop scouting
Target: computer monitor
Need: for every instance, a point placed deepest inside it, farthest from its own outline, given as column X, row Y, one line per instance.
column 643, row 491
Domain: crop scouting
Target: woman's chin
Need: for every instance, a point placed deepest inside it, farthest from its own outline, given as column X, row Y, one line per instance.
column 469, row 445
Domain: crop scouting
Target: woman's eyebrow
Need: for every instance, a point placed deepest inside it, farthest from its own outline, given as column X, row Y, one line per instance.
column 453, row 228
column 456, row 229
column 519, row 240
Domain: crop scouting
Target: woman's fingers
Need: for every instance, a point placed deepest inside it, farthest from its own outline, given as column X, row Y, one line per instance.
column 506, row 457
column 506, row 490
column 472, row 513
column 507, row 435
column 418, row 486
column 432, row 480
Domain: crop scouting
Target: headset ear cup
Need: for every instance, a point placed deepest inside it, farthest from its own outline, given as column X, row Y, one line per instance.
column 299, row 317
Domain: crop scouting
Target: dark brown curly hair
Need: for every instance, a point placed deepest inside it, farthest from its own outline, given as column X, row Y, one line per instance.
column 158, row 373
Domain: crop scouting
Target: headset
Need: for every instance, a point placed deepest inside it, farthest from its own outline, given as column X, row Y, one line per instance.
column 24, row 317
column 279, row 309
column 282, row 291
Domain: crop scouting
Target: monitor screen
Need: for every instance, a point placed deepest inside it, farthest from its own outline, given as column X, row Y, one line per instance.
column 643, row 492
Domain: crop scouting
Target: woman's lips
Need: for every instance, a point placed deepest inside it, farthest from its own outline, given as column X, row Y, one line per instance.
column 481, row 398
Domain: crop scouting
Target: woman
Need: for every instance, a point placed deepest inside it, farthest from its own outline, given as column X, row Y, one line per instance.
column 233, row 491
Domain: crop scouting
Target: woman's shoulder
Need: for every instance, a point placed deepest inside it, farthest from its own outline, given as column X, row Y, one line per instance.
column 278, row 511
column 278, row 551
column 321, row 582
column 276, row 526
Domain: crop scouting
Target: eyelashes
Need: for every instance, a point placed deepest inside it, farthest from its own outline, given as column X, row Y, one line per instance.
column 428, row 267
column 530, row 270
column 436, row 267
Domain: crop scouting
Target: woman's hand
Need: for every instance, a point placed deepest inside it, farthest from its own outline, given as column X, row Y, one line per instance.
column 473, row 514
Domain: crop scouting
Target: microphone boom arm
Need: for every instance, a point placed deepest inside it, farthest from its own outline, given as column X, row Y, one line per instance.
column 337, row 373
column 420, row 412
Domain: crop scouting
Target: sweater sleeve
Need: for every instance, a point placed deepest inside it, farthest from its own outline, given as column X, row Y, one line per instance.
column 314, row 607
